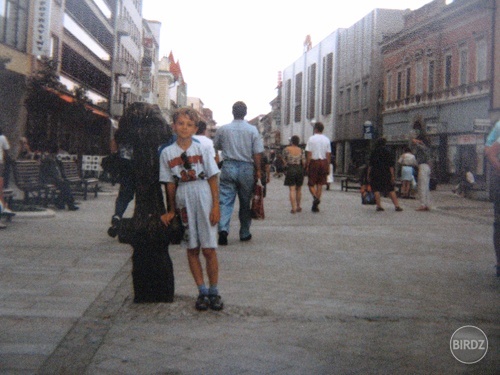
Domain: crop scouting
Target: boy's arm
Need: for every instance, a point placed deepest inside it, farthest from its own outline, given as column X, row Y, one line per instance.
column 170, row 189
column 214, row 189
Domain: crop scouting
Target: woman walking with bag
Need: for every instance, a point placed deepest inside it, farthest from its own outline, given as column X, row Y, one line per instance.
column 294, row 160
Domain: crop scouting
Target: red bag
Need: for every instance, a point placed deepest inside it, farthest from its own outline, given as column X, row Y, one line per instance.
column 258, row 203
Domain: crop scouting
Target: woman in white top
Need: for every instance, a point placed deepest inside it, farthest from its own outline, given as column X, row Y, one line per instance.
column 407, row 161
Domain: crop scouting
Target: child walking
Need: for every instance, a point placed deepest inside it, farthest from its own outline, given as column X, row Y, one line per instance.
column 191, row 176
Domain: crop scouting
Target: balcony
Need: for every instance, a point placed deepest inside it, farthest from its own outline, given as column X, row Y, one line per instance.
column 123, row 27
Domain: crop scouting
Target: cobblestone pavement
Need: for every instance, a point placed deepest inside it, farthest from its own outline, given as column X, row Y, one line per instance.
column 348, row 290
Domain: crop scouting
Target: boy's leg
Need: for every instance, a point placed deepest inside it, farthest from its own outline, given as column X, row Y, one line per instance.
column 213, row 277
column 202, row 302
column 212, row 266
column 195, row 266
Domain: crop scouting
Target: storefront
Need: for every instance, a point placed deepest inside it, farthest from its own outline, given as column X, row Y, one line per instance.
column 77, row 127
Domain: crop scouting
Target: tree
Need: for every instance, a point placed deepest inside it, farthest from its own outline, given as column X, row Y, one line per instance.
column 42, row 103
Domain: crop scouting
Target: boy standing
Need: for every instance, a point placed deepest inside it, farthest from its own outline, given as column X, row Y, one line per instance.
column 191, row 177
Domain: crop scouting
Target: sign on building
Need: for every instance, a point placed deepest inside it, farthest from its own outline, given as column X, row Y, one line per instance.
column 482, row 126
column 41, row 28
column 368, row 130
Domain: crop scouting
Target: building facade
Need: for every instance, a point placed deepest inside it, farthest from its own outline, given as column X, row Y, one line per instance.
column 150, row 61
column 438, row 69
column 359, row 86
column 308, row 91
column 16, row 64
column 84, row 60
column 69, row 86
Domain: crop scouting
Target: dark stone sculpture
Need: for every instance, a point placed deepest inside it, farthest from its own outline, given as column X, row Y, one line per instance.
column 152, row 271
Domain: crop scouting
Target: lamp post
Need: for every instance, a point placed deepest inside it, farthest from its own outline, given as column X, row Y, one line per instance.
column 125, row 90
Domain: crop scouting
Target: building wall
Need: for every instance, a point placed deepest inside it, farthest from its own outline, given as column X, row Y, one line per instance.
column 165, row 80
column 13, row 74
column 454, row 42
column 129, row 48
column 303, row 92
column 150, row 61
column 495, row 97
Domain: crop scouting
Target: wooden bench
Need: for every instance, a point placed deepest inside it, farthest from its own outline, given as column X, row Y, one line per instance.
column 27, row 178
column 349, row 182
column 79, row 184
column 8, row 195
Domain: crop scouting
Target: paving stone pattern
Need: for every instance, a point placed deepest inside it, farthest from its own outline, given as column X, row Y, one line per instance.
column 348, row 290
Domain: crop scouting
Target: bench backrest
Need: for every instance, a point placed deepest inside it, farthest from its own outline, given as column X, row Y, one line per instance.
column 70, row 169
column 27, row 174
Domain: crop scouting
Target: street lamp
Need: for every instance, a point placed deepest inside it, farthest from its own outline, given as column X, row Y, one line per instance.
column 125, row 90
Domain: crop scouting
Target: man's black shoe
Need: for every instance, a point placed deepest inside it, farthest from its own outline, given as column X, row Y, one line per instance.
column 216, row 302
column 223, row 238
column 246, row 238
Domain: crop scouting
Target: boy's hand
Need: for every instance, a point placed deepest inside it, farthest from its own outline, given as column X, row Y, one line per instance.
column 167, row 218
column 215, row 215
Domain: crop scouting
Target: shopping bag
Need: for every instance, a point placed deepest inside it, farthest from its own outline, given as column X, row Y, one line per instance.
column 258, row 202
column 367, row 195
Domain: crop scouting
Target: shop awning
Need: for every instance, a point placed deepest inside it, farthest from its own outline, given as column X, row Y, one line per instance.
column 70, row 99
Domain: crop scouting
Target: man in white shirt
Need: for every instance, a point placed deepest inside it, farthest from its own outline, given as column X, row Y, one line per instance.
column 201, row 136
column 318, row 152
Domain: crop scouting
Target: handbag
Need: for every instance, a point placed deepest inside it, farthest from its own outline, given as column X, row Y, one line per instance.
column 258, row 203
column 176, row 230
column 367, row 195
column 126, row 231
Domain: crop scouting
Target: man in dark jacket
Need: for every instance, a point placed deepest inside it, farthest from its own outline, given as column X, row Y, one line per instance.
column 50, row 173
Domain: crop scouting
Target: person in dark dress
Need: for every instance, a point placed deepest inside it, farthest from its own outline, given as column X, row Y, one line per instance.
column 381, row 174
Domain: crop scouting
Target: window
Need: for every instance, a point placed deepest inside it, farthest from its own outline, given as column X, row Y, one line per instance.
column 341, row 101
column 481, row 60
column 419, row 79
column 348, row 100
column 463, row 67
column 356, row 97
column 54, row 48
column 447, row 71
column 399, row 92
column 311, row 91
column 14, row 23
column 388, row 92
column 430, row 81
column 408, row 82
column 298, row 97
column 288, row 100
column 327, row 94
column 364, row 95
